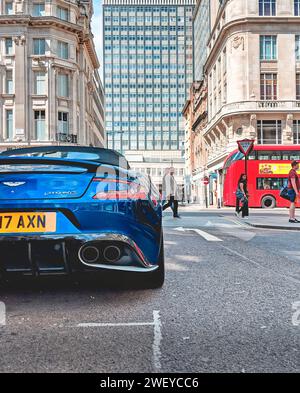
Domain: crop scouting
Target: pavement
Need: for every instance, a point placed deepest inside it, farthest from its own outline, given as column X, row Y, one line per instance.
column 231, row 303
column 259, row 218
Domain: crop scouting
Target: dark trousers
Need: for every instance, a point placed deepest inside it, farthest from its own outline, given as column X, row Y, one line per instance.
column 244, row 209
column 173, row 204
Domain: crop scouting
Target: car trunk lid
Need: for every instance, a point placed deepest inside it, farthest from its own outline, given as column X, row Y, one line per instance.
column 31, row 178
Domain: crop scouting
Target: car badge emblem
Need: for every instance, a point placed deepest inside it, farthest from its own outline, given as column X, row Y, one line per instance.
column 13, row 183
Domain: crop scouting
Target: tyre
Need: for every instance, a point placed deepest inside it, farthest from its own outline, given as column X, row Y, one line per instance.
column 268, row 202
column 157, row 278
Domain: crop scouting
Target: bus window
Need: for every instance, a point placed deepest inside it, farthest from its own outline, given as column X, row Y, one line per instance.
column 270, row 183
column 291, row 155
column 269, row 155
column 235, row 157
column 275, row 155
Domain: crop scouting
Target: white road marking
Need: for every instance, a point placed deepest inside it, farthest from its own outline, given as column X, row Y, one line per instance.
column 219, row 225
column 157, row 340
column 239, row 223
column 115, row 324
column 207, row 236
column 157, row 333
column 2, row 314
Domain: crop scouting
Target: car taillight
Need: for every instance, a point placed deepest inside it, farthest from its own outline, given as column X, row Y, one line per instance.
column 112, row 189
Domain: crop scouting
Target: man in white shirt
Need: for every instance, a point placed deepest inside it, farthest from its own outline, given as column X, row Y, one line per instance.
column 170, row 191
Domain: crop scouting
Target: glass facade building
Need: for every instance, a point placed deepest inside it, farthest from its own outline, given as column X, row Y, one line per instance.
column 148, row 70
column 201, row 27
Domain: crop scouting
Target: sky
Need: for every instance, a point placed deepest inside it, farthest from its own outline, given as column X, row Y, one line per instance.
column 97, row 30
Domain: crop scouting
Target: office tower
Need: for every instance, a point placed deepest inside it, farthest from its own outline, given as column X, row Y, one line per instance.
column 148, row 68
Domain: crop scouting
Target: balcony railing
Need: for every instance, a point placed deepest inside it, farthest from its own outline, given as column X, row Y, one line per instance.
column 254, row 106
column 66, row 138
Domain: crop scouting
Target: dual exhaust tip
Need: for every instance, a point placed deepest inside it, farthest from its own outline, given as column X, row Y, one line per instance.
column 91, row 254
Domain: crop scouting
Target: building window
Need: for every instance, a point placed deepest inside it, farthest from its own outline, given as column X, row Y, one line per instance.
column 268, row 47
column 63, row 50
column 267, row 7
column 8, row 46
column 9, row 124
column 269, row 132
column 62, row 13
column 268, row 86
column 39, row 46
column 40, row 125
column 39, row 83
column 63, row 122
column 9, row 8
column 9, row 82
column 38, row 9
column 296, row 129
column 297, row 47
column 63, row 85
column 297, row 7
column 297, row 86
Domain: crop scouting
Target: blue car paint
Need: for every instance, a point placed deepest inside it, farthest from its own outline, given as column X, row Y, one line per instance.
column 77, row 211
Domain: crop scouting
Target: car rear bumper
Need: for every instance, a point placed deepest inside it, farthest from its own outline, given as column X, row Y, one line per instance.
column 36, row 255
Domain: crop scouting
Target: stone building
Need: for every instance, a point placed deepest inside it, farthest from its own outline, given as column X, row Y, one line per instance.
column 253, row 73
column 195, row 111
column 50, row 89
column 195, row 114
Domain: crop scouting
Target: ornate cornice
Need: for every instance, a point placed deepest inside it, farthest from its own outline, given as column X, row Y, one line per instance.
column 84, row 36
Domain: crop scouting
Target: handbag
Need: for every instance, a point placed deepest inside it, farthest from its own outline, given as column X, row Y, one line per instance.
column 284, row 193
column 239, row 194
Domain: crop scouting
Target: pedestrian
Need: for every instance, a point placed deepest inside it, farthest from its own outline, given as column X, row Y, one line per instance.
column 242, row 197
column 293, row 190
column 170, row 190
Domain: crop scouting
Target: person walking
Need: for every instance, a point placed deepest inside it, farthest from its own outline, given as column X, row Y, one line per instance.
column 293, row 190
column 242, row 196
column 170, row 190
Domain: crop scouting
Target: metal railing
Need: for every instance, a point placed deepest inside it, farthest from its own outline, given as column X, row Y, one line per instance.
column 254, row 106
column 66, row 138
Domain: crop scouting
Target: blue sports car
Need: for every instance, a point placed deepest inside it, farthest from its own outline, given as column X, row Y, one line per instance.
column 66, row 210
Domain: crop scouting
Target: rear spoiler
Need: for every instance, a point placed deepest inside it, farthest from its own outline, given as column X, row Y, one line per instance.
column 90, row 166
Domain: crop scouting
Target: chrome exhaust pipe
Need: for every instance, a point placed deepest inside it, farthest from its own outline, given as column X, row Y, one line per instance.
column 112, row 253
column 89, row 254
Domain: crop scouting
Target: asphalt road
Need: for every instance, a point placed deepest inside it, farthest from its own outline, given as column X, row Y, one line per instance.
column 229, row 305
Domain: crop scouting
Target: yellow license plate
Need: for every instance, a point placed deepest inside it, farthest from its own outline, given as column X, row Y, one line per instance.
column 27, row 222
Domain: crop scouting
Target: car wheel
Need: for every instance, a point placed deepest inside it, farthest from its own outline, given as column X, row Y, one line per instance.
column 157, row 278
column 268, row 202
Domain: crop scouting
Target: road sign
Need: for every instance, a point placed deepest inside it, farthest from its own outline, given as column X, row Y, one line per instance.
column 206, row 181
column 246, row 146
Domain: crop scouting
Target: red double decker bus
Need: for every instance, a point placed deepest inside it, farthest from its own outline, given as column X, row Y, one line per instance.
column 268, row 169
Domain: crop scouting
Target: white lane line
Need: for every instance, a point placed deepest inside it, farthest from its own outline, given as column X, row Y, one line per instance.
column 115, row 324
column 2, row 314
column 207, row 236
column 157, row 333
column 240, row 224
column 157, row 340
